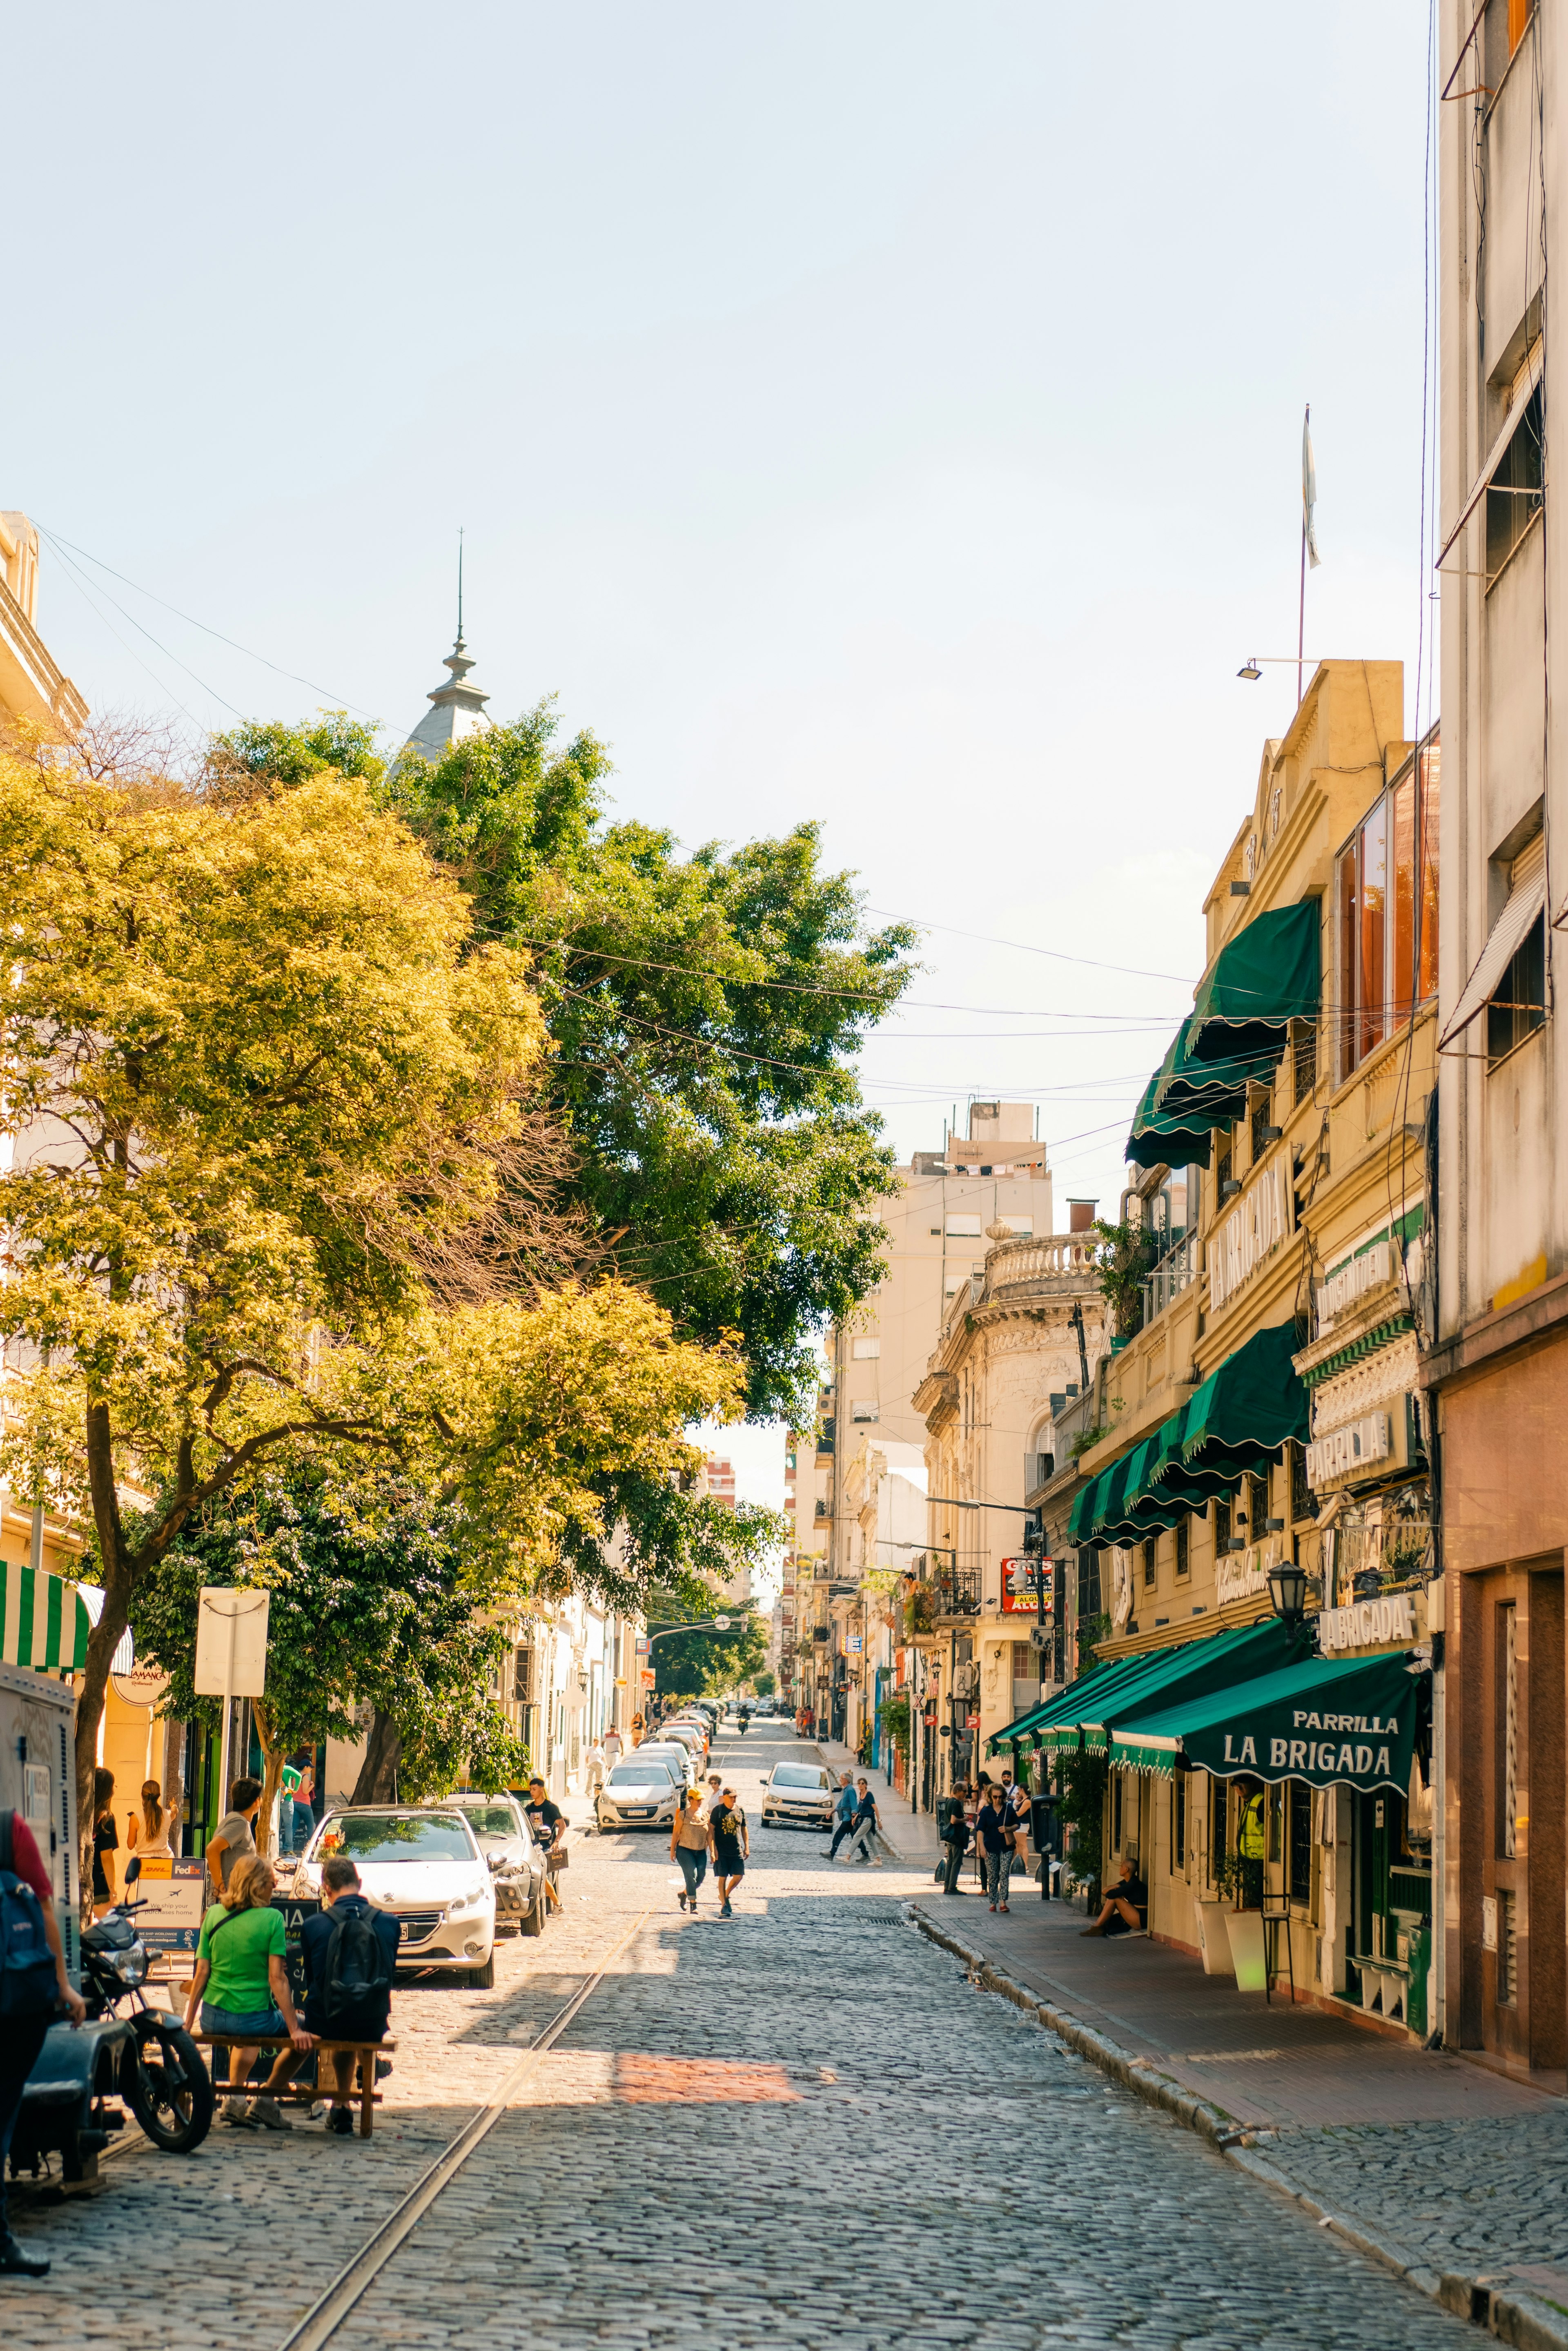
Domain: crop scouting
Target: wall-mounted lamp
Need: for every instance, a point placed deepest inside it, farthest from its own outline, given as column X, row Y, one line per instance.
column 1249, row 671
column 1230, row 1188
column 1269, row 1133
column 1287, row 1592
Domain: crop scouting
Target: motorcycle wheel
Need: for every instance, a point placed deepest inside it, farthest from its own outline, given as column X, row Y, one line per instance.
column 166, row 2085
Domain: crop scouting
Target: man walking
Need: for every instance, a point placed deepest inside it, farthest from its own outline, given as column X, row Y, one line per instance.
column 843, row 1813
column 613, row 1745
column 730, row 1845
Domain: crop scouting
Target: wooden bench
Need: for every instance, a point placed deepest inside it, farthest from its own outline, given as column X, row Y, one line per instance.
column 306, row 2095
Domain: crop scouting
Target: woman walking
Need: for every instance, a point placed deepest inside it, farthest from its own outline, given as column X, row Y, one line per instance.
column 994, row 1837
column 148, row 1835
column 689, row 1844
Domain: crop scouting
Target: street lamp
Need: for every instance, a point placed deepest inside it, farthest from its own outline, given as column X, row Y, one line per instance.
column 1288, row 1592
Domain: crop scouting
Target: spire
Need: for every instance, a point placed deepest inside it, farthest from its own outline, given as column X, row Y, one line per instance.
column 457, row 709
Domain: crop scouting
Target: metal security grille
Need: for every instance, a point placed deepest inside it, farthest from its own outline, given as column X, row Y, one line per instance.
column 1510, row 1733
column 1507, row 1950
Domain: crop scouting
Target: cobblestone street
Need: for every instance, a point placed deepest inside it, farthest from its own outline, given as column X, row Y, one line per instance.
column 795, row 2127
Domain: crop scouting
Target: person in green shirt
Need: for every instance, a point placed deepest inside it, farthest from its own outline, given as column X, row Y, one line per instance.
column 239, row 1965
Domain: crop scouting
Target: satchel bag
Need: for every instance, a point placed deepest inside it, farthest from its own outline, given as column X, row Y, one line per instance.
column 557, row 1857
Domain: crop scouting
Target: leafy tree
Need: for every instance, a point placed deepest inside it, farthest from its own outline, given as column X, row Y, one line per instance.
column 368, row 1606
column 704, row 1661
column 703, row 1007
column 274, row 1191
column 764, row 1684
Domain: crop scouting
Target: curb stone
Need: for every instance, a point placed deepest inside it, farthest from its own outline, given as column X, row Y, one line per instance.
column 1512, row 2316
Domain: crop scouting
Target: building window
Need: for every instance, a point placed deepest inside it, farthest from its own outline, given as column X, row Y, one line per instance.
column 1221, row 1179
column 1513, row 494
column 1217, row 1809
column 865, row 1408
column 1304, row 1049
column 1508, row 1733
column 1300, row 1841
column 1115, row 1811
column 1507, row 1950
column 1183, row 1550
column 1178, row 1820
column 1221, row 1525
column 963, row 1228
column 865, row 1351
column 1386, row 891
column 1257, row 1508
column 1518, row 1008
column 1302, row 1503
column 1151, row 1551
column 1262, row 1117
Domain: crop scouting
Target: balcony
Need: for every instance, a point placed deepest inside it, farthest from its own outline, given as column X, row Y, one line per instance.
column 1016, row 1273
column 1170, row 1276
column 955, row 1593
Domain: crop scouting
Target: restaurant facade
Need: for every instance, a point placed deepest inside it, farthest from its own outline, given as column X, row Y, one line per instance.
column 1247, row 1525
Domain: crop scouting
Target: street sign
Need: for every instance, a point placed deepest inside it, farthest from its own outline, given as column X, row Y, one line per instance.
column 1021, row 1580
column 649, row 1677
column 231, row 1643
column 972, row 1722
column 722, row 1624
column 855, row 1643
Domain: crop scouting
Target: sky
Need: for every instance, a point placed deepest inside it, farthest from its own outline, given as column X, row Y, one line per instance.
column 888, row 415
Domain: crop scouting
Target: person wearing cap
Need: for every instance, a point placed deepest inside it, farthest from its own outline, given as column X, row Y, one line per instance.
column 730, row 1845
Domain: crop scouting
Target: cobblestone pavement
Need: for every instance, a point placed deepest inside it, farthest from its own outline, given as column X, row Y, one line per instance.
column 788, row 2128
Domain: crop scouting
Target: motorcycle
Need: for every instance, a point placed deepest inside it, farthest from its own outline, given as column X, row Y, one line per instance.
column 162, row 2076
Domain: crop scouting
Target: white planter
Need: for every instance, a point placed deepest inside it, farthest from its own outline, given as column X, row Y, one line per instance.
column 1212, row 1940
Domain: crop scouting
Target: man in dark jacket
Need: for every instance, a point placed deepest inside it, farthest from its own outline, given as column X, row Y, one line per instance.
column 342, row 1900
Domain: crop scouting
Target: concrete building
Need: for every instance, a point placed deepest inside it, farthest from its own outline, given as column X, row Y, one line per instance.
column 1498, row 1369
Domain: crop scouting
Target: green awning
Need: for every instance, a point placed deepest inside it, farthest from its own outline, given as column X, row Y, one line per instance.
column 1246, row 1410
column 1271, row 973
column 44, row 1622
column 1090, row 1690
column 1191, row 1668
column 1234, row 1423
column 1331, row 1721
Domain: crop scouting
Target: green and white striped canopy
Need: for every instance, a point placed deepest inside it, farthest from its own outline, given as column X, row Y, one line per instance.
column 44, row 1622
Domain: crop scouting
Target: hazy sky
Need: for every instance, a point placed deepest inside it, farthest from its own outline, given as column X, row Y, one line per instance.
column 882, row 413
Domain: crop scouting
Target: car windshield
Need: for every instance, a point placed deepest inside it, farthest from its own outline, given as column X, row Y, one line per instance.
column 640, row 1775
column 489, row 1819
column 667, row 1758
column 403, row 1837
column 797, row 1775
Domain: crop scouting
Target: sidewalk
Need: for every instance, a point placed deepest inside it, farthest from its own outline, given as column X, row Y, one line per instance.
column 1449, row 2172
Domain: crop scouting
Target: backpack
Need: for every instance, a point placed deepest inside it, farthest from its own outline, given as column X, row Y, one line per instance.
column 357, row 1980
column 28, row 1986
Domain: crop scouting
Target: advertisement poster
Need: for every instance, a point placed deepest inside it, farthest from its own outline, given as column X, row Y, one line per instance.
column 174, row 1899
column 1020, row 1586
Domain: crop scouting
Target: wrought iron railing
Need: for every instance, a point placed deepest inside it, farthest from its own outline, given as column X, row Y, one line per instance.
column 1170, row 1276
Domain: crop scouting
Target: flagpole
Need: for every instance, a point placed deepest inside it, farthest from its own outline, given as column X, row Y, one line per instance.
column 1302, row 615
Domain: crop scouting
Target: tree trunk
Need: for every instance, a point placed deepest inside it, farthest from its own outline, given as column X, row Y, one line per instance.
column 271, row 1777
column 377, row 1783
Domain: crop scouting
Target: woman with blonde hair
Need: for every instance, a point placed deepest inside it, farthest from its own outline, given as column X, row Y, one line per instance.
column 240, row 1960
column 149, row 1836
column 688, row 1845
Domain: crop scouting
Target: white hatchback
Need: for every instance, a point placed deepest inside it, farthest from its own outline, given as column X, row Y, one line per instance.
column 424, row 1867
column 639, row 1792
column 798, row 1793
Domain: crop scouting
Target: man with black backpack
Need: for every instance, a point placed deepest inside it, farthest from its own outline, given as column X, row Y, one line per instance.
column 34, row 1989
column 350, row 1951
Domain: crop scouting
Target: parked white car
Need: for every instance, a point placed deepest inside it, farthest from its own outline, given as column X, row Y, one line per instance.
column 798, row 1794
column 640, row 1791
column 425, row 1867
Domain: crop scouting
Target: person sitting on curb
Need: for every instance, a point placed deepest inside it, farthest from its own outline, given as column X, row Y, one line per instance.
column 1122, row 1910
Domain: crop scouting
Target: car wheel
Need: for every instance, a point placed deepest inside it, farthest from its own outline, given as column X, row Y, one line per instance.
column 533, row 1919
column 482, row 1979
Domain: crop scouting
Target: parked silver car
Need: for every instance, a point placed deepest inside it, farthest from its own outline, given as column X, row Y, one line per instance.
column 516, row 1862
column 640, row 1791
column 797, row 1793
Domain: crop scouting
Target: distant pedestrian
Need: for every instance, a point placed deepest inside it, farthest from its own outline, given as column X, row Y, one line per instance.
column 866, row 1820
column 343, row 1998
column 730, row 1846
column 614, row 1746
column 305, row 1806
column 105, row 1839
column 594, row 1761
column 547, row 1823
column 994, row 1835
column 147, row 1830
column 714, row 1796
column 636, row 1730
column 689, row 1845
column 233, row 1839
column 956, row 1836
column 843, row 1812
column 1020, row 1819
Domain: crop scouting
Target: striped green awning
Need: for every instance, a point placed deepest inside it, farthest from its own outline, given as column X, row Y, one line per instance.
column 44, row 1622
column 1331, row 1721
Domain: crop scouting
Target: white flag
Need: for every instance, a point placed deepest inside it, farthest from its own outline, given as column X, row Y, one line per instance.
column 1308, row 490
